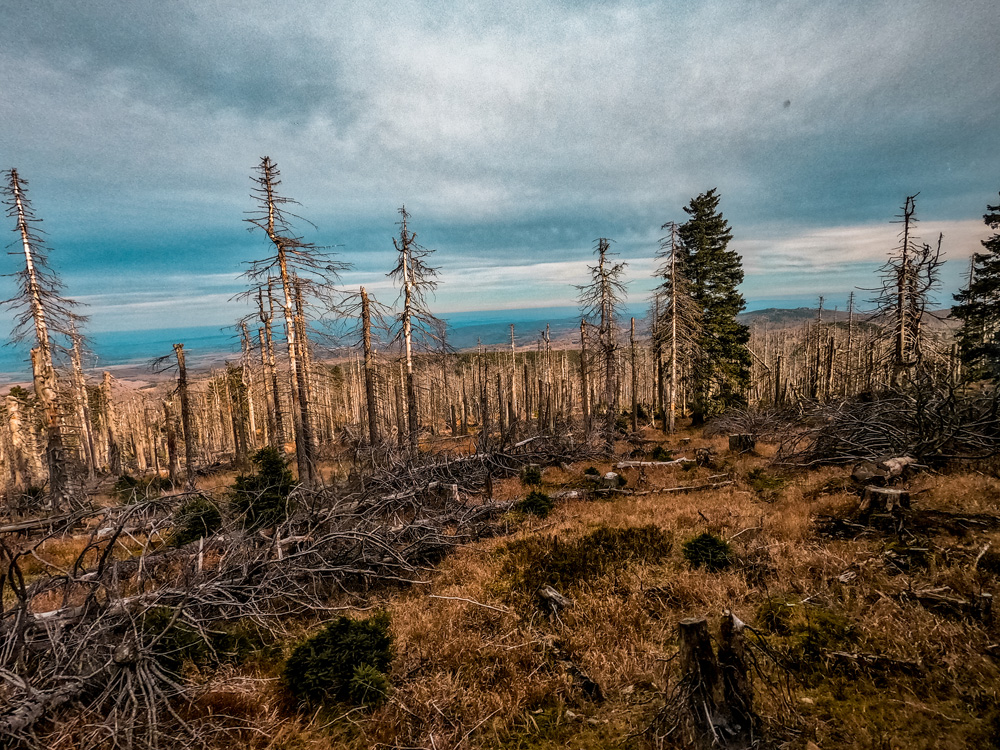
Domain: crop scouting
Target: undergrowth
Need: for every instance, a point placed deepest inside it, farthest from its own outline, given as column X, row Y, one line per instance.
column 537, row 561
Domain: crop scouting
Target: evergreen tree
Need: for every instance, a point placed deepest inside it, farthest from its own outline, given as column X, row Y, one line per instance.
column 979, row 306
column 722, row 373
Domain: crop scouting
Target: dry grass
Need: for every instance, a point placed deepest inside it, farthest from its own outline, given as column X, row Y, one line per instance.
column 478, row 667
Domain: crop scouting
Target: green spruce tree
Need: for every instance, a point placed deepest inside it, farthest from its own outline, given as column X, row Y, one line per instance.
column 979, row 307
column 721, row 374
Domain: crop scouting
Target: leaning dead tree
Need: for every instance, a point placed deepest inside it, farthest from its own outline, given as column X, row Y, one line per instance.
column 416, row 280
column 47, row 317
column 297, row 268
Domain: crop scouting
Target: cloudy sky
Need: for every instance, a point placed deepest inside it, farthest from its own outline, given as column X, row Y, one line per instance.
column 515, row 133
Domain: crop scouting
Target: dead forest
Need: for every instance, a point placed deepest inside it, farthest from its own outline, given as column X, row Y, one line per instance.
column 619, row 538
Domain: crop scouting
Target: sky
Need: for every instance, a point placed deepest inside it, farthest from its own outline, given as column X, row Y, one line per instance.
column 515, row 133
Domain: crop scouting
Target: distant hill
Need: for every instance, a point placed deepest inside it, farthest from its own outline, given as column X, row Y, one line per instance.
column 776, row 317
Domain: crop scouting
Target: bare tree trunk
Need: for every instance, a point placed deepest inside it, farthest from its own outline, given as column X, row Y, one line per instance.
column 370, row 398
column 43, row 373
column 188, row 433
column 299, row 409
column 83, row 409
column 169, row 426
column 585, row 383
column 635, row 380
column 110, row 421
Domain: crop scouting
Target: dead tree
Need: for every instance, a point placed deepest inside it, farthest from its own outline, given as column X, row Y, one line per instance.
column 188, row 432
column 83, row 405
column 416, row 279
column 909, row 277
column 47, row 317
column 678, row 327
column 601, row 301
column 293, row 258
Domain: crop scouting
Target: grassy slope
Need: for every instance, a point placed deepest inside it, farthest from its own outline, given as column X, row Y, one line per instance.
column 487, row 669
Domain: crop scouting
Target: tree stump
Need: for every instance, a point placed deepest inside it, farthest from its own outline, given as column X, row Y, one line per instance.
column 881, row 472
column 887, row 499
column 717, row 688
column 742, row 443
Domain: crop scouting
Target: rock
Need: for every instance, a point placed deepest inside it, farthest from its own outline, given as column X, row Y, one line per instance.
column 553, row 599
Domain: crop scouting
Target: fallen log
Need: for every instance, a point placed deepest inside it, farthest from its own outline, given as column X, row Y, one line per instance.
column 637, row 464
column 877, row 661
column 944, row 600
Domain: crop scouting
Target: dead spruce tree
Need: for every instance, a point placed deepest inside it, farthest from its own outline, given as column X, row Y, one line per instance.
column 416, row 280
column 909, row 277
column 293, row 261
column 677, row 325
column 600, row 302
column 44, row 315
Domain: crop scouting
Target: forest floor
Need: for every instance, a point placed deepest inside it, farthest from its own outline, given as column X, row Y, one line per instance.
column 868, row 637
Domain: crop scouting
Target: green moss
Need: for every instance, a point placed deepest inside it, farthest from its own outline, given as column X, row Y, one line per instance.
column 326, row 667
column 767, row 486
column 708, row 551
column 774, row 615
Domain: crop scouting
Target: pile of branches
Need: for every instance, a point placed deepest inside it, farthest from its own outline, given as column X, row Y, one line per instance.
column 768, row 424
column 933, row 425
column 82, row 635
column 88, row 649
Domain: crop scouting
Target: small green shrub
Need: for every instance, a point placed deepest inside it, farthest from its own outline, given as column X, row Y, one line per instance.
column 660, row 453
column 990, row 562
column 536, row 561
column 329, row 665
column 175, row 642
column 536, row 503
column 262, row 498
column 531, row 476
column 195, row 519
column 709, row 551
column 125, row 488
column 764, row 484
column 128, row 489
column 369, row 686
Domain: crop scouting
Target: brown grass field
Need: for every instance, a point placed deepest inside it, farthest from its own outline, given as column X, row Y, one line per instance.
column 479, row 663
